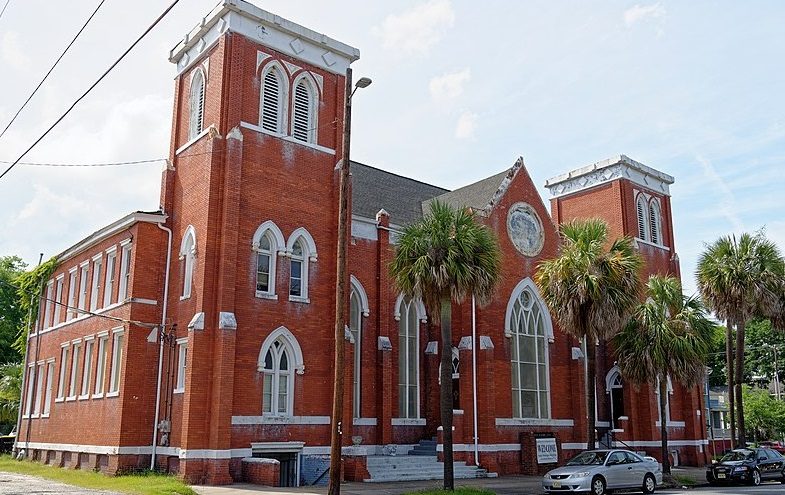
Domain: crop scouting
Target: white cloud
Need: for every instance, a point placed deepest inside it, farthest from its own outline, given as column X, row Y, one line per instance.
column 449, row 86
column 638, row 13
column 418, row 29
column 12, row 52
column 466, row 125
column 726, row 203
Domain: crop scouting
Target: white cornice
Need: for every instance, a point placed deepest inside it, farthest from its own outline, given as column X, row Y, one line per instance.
column 618, row 167
column 109, row 231
column 267, row 29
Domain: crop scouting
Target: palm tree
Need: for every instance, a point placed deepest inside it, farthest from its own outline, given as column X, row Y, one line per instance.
column 668, row 336
column 591, row 289
column 442, row 258
column 738, row 280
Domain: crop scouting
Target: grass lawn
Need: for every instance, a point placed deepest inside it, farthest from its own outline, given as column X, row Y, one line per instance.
column 461, row 490
column 141, row 484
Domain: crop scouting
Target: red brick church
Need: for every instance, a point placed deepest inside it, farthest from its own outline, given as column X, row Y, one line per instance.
column 238, row 267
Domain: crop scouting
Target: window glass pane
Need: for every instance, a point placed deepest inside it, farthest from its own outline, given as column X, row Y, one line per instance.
column 267, row 393
column 529, row 376
column 516, row 404
column 543, row 404
column 297, row 250
column 284, row 362
column 527, row 349
column 543, row 371
column 516, row 382
column 283, row 381
column 268, row 360
column 264, row 243
column 529, row 404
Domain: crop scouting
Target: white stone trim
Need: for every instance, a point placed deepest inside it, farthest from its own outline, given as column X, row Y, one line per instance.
column 408, row 421
column 266, row 28
column 227, row 320
column 419, row 308
column 365, row 421
column 357, row 286
column 280, row 420
column 287, row 138
column 280, row 242
column 302, row 233
column 556, row 423
column 528, row 283
column 108, row 231
column 197, row 322
column 671, row 424
column 204, row 132
column 487, row 447
column 291, row 446
column 605, row 171
column 282, row 331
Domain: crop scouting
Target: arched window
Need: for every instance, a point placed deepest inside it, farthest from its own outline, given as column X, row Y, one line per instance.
column 196, row 104
column 655, row 223
column 643, row 223
column 267, row 242
column 355, row 326
column 273, row 98
column 408, row 361
column 304, row 105
column 301, row 249
column 529, row 328
column 188, row 256
column 614, row 387
column 669, row 388
column 280, row 359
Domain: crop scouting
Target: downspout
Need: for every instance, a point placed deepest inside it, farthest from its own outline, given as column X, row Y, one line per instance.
column 474, row 381
column 161, row 346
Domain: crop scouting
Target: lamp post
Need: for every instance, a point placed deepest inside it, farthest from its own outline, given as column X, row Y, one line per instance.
column 334, row 487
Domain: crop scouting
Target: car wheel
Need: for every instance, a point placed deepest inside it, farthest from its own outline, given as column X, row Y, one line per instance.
column 597, row 486
column 755, row 477
column 649, row 484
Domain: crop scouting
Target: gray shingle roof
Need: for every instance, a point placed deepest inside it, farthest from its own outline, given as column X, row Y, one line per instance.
column 402, row 197
column 476, row 196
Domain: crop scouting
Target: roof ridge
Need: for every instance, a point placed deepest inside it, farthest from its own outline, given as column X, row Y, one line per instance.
column 355, row 162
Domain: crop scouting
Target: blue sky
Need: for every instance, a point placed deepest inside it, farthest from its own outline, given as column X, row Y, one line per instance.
column 461, row 89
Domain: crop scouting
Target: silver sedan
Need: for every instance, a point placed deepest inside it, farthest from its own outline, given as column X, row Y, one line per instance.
column 596, row 471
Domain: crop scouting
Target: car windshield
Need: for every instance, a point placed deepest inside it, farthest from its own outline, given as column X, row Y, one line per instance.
column 588, row 458
column 738, row 455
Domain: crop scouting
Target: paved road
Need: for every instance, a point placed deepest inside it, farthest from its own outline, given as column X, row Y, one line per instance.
column 22, row 484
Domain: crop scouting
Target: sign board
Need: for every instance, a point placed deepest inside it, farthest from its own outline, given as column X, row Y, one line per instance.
column 546, row 451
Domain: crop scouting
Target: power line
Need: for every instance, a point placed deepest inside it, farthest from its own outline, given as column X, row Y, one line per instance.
column 51, row 68
column 92, row 86
column 4, row 6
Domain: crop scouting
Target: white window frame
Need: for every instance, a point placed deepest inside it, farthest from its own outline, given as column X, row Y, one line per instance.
column 115, row 376
column 512, row 317
column 125, row 271
column 87, row 367
column 71, row 301
column 313, row 108
column 84, row 268
column 277, row 247
column 283, row 97
column 48, row 305
column 50, row 374
column 196, row 100
column 188, row 256
column 30, row 390
column 58, row 307
column 275, row 375
column 642, row 215
column 76, row 346
column 303, row 237
column 64, row 353
column 40, row 375
column 296, row 367
column 109, row 276
column 655, row 222
column 95, row 286
column 408, row 313
column 182, row 363
column 356, row 328
column 100, row 365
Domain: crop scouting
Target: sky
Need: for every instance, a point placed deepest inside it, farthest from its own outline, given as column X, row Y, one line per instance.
column 461, row 90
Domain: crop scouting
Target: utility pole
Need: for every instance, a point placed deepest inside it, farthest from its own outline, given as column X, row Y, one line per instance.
column 342, row 274
column 776, row 374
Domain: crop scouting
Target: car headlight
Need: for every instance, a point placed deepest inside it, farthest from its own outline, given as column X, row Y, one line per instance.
column 583, row 474
column 740, row 468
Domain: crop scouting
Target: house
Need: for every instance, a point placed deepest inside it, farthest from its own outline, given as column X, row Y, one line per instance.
column 201, row 335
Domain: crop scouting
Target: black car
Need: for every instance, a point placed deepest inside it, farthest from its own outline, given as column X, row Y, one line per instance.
column 749, row 466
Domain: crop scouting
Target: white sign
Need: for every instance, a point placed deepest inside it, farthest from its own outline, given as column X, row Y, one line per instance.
column 546, row 451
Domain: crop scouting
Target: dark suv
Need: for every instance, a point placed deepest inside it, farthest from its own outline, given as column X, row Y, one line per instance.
column 748, row 466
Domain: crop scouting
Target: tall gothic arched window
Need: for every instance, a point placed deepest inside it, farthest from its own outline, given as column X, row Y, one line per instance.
column 278, row 379
column 643, row 222
column 304, row 115
column 655, row 222
column 529, row 332
column 196, row 105
column 188, row 256
column 273, row 100
column 408, row 361
column 355, row 326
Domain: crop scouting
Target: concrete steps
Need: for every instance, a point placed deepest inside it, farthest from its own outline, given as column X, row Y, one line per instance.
column 416, row 467
column 425, row 448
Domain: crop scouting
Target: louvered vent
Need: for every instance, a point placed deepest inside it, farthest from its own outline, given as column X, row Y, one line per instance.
column 302, row 113
column 271, row 103
column 196, row 123
column 641, row 220
column 654, row 222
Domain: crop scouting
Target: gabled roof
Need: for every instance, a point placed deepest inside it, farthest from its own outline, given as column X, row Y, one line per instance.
column 402, row 197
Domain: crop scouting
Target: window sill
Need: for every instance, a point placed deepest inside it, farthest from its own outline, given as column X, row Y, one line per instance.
column 287, row 138
column 183, row 298
column 672, row 424
column 179, row 391
column 653, row 244
column 70, row 398
column 60, row 399
column 266, row 295
column 408, row 421
column 83, row 397
column 299, row 299
column 113, row 394
column 44, row 416
column 194, row 139
column 98, row 396
column 534, row 422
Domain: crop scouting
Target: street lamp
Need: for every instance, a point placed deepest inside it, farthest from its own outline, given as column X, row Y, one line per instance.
column 342, row 275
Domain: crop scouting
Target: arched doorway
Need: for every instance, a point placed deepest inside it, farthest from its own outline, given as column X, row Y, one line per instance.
column 615, row 390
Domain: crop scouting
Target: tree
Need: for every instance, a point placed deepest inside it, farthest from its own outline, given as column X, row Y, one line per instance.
column 765, row 414
column 740, row 279
column 442, row 258
column 12, row 314
column 10, row 392
column 716, row 358
column 669, row 335
column 761, row 340
column 591, row 288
